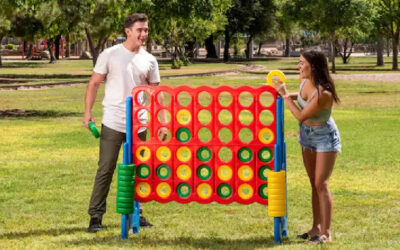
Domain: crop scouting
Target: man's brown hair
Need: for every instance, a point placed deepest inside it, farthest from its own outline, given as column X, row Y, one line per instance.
column 135, row 17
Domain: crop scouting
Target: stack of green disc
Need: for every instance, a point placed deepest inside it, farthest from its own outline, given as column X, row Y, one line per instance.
column 125, row 188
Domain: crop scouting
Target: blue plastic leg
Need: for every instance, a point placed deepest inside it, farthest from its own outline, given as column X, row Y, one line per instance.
column 284, row 227
column 277, row 229
column 125, row 223
column 136, row 218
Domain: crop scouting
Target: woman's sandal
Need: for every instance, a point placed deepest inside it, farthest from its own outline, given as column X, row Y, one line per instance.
column 303, row 236
column 319, row 239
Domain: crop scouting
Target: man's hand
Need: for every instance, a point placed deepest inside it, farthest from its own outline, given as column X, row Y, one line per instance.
column 86, row 119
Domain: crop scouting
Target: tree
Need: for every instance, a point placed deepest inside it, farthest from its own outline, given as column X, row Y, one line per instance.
column 6, row 13
column 50, row 16
column 286, row 18
column 331, row 16
column 181, row 24
column 249, row 17
column 390, row 16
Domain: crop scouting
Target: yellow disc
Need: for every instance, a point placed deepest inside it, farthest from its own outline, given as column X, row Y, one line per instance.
column 245, row 173
column 224, row 173
column 163, row 153
column 163, row 190
column 143, row 156
column 184, row 172
column 263, row 132
column 183, row 116
column 245, row 191
column 277, row 73
column 143, row 189
column 204, row 190
column 184, row 154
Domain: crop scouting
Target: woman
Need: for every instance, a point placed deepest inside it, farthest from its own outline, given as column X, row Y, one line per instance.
column 319, row 136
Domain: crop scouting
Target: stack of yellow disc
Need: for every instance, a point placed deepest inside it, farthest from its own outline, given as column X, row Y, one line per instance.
column 276, row 194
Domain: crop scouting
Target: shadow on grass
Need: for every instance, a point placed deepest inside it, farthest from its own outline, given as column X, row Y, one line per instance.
column 24, row 64
column 19, row 113
column 182, row 242
column 48, row 232
column 43, row 76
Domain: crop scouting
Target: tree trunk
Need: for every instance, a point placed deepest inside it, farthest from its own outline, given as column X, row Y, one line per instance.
column 210, row 47
column 379, row 51
column 149, row 44
column 387, row 47
column 395, row 45
column 50, row 44
column 260, row 44
column 57, row 44
column 346, row 54
column 29, row 51
column 67, row 46
column 95, row 51
column 1, row 39
column 332, row 50
column 226, row 46
column 249, row 46
column 190, row 49
column 287, row 47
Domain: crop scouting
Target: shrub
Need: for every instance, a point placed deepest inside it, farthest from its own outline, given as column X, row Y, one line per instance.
column 176, row 64
column 11, row 46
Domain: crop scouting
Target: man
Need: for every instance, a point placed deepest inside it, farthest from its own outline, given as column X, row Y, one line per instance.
column 123, row 66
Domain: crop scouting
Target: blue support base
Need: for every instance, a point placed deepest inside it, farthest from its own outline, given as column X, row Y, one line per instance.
column 280, row 223
column 136, row 219
column 125, row 224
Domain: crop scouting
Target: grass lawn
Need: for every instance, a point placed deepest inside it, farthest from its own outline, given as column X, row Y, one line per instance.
column 48, row 162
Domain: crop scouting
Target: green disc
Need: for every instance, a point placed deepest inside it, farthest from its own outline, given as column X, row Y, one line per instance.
column 93, row 128
column 204, row 154
column 183, row 190
column 143, row 171
column 263, row 191
column 245, row 154
column 163, row 171
column 262, row 172
column 125, row 199
column 125, row 189
column 224, row 190
column 125, row 183
column 125, row 178
column 125, row 210
column 122, row 167
column 204, row 172
column 265, row 154
column 183, row 134
column 124, row 194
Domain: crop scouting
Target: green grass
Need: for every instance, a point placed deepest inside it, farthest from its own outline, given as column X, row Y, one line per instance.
column 48, row 162
column 356, row 65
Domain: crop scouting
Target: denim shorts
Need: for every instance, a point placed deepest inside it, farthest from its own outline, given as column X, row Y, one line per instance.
column 323, row 138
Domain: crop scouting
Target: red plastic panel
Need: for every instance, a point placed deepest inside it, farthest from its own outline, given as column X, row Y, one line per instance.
column 208, row 128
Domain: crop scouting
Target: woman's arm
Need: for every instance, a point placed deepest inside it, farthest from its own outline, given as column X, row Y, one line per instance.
column 293, row 96
column 312, row 108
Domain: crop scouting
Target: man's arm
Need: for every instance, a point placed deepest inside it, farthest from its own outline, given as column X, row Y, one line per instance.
column 90, row 97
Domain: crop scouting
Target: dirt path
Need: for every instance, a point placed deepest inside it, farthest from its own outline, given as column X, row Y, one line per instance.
column 245, row 68
column 258, row 70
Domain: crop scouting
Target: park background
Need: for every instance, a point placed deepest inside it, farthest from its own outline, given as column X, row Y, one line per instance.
column 48, row 159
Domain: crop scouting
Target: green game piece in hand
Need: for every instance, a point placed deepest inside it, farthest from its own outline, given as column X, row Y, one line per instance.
column 93, row 128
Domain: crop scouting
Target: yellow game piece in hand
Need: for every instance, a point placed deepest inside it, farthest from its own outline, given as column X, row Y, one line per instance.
column 274, row 73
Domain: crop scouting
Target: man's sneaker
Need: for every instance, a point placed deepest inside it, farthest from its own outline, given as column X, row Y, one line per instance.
column 144, row 223
column 94, row 225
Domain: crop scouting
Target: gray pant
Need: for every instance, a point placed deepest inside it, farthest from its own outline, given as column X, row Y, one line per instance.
column 110, row 145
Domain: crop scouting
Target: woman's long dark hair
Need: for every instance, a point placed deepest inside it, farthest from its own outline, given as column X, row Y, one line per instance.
column 320, row 72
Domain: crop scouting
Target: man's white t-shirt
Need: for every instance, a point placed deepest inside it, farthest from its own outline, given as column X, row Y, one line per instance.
column 125, row 69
